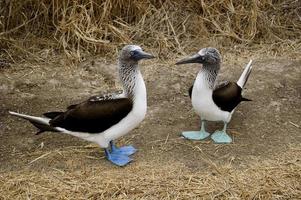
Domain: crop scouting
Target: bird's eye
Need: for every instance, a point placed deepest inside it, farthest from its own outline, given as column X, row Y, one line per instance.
column 132, row 53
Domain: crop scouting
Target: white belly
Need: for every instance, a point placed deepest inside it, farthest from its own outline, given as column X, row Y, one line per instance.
column 203, row 103
column 131, row 121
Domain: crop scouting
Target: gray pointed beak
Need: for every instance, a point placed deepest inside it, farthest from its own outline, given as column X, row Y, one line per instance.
column 139, row 55
column 197, row 58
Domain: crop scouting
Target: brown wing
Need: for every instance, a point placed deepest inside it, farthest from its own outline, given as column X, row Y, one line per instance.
column 227, row 96
column 101, row 97
column 93, row 116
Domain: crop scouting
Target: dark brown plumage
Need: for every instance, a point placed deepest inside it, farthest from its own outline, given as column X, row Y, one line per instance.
column 190, row 91
column 92, row 116
column 226, row 96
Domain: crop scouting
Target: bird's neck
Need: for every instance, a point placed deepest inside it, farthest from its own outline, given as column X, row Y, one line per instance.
column 207, row 75
column 130, row 76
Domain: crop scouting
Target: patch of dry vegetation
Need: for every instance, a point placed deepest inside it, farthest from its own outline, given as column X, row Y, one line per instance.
column 271, row 179
column 170, row 27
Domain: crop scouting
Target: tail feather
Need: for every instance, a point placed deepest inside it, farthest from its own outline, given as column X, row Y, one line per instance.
column 41, row 123
column 52, row 115
column 245, row 75
column 245, row 99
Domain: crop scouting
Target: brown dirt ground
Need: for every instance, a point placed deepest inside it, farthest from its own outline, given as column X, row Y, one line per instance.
column 266, row 136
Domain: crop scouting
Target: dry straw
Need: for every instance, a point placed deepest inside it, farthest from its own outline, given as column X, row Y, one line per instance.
column 170, row 27
column 271, row 179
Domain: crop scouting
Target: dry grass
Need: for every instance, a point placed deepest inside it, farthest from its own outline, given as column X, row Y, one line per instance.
column 272, row 179
column 169, row 27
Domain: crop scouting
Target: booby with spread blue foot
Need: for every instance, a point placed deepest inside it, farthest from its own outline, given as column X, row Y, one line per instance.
column 212, row 101
column 102, row 119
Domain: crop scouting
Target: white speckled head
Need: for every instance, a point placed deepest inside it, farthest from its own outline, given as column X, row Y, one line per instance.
column 210, row 55
column 133, row 53
column 210, row 59
column 128, row 69
column 206, row 56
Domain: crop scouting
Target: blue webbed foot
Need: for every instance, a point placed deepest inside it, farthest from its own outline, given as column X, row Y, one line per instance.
column 125, row 150
column 117, row 159
column 221, row 137
column 195, row 135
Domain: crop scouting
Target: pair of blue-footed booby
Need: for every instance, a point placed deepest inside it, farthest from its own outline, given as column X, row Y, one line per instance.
column 210, row 100
column 103, row 119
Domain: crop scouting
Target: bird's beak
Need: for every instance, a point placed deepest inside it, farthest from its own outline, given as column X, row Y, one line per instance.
column 139, row 55
column 197, row 58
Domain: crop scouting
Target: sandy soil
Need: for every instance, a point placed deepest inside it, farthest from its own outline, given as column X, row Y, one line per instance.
column 265, row 129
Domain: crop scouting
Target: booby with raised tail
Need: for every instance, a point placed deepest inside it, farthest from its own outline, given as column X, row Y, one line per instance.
column 102, row 119
column 212, row 101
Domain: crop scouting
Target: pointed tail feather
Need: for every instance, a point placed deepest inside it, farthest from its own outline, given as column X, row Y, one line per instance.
column 52, row 115
column 41, row 123
column 245, row 75
column 245, row 99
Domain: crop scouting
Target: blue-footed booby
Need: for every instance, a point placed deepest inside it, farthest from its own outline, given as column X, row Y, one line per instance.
column 102, row 119
column 212, row 101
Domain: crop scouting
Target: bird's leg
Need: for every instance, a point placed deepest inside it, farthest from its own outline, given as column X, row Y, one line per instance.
column 125, row 150
column 221, row 136
column 196, row 135
column 117, row 159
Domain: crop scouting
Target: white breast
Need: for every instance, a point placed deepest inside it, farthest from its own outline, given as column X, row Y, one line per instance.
column 203, row 103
